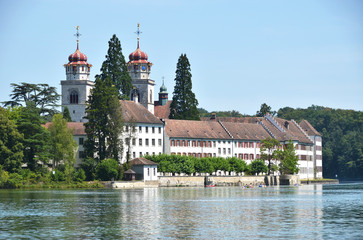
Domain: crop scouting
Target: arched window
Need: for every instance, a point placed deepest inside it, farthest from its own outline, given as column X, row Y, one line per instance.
column 151, row 96
column 74, row 97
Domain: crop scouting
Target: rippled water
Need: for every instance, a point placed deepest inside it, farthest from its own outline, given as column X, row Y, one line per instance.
column 304, row 212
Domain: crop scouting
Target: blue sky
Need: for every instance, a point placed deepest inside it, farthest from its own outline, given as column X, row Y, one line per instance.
column 242, row 53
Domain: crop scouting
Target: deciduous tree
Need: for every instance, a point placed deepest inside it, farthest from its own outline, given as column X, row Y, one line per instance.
column 63, row 147
column 11, row 147
column 267, row 150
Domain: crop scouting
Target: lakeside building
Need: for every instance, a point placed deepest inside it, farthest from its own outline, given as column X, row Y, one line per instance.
column 148, row 130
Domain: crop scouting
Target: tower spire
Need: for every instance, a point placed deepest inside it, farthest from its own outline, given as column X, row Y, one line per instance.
column 138, row 32
column 77, row 36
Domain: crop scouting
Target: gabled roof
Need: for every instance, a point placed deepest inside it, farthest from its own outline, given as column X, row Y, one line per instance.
column 246, row 131
column 195, row 129
column 308, row 128
column 232, row 119
column 136, row 112
column 142, row 161
column 162, row 112
column 78, row 127
column 288, row 130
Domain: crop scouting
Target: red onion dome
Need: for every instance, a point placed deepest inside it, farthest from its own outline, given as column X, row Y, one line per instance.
column 77, row 58
column 138, row 56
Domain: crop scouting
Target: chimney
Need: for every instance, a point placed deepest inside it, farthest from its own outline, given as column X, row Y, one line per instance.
column 213, row 117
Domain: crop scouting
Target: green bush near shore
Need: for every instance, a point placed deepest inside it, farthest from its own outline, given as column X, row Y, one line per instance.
column 43, row 178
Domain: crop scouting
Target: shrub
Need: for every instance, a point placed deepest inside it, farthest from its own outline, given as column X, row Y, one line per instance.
column 258, row 166
column 107, row 169
column 79, row 175
column 57, row 176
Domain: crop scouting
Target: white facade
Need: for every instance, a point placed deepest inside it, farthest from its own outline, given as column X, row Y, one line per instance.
column 146, row 139
column 74, row 96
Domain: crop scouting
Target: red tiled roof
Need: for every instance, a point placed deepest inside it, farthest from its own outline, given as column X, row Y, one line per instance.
column 162, row 112
column 195, row 129
column 136, row 112
column 233, row 119
column 142, row 161
column 246, row 131
column 308, row 128
column 78, row 127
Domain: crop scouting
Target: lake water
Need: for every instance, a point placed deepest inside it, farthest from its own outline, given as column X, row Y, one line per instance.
column 304, row 212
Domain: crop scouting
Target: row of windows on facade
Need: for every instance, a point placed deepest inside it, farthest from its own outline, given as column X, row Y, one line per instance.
column 199, row 155
column 82, row 154
column 147, row 129
column 74, row 69
column 194, row 143
column 147, row 142
column 305, row 170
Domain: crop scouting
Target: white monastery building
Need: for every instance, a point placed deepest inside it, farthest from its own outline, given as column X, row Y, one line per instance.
column 148, row 129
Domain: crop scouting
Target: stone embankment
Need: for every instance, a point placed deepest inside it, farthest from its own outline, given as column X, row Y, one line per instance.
column 200, row 181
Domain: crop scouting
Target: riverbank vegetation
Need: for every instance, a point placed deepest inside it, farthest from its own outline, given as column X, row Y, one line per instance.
column 342, row 133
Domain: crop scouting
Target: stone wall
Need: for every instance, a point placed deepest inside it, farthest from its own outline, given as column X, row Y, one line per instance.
column 198, row 181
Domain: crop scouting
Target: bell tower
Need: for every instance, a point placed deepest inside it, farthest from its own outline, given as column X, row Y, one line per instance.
column 77, row 86
column 139, row 69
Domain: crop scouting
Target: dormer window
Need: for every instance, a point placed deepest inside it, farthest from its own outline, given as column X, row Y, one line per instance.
column 74, row 97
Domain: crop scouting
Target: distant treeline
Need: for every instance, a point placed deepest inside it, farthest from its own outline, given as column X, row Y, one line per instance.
column 342, row 132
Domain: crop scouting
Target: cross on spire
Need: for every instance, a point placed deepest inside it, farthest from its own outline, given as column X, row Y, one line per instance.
column 138, row 32
column 77, row 36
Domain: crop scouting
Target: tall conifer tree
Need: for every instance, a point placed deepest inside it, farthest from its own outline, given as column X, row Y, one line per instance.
column 105, row 125
column 36, row 137
column 184, row 104
column 115, row 68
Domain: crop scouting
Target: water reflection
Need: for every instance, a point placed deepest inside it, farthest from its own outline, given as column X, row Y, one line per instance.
column 310, row 211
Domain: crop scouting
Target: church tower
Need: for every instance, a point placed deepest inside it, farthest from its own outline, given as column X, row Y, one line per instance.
column 77, row 86
column 139, row 70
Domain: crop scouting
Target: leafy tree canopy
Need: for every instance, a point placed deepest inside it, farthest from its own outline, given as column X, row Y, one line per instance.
column 264, row 110
column 63, row 147
column 42, row 95
column 288, row 159
column 267, row 150
column 11, row 147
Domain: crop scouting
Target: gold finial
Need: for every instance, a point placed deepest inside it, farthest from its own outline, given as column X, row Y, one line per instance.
column 77, row 28
column 138, row 25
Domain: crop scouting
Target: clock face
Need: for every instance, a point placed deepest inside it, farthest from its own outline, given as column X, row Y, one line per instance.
column 143, row 68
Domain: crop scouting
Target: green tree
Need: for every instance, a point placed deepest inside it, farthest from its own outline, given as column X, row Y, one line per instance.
column 115, row 68
column 288, row 159
column 36, row 137
column 258, row 166
column 63, row 147
column 237, row 165
column 66, row 114
column 263, row 110
column 105, row 125
column 11, row 147
column 184, row 104
column 268, row 152
column 44, row 97
column 342, row 135
column 107, row 169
